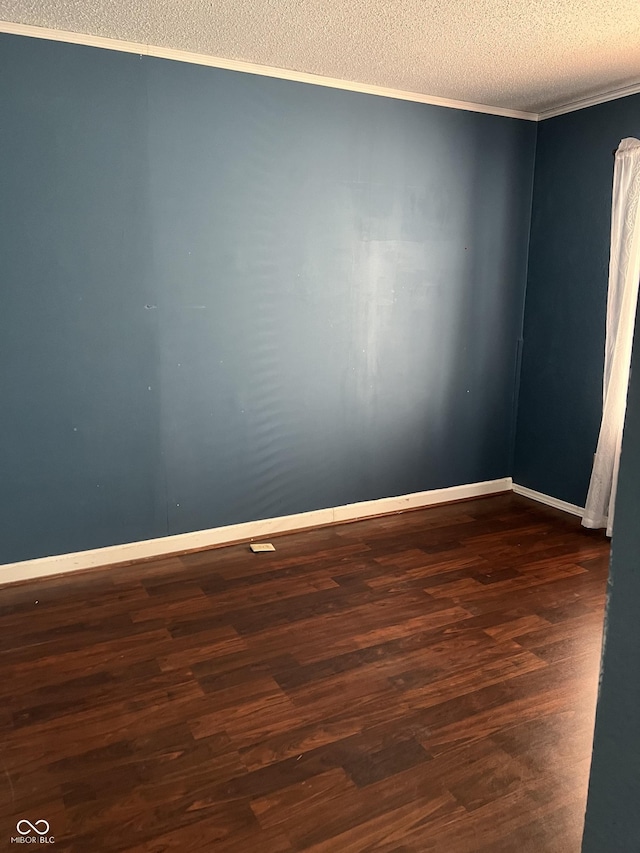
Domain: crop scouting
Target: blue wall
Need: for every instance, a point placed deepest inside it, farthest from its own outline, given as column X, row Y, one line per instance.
column 560, row 398
column 227, row 297
column 613, row 820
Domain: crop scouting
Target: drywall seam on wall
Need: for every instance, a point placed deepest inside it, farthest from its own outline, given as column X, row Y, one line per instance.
column 202, row 539
column 251, row 68
column 556, row 503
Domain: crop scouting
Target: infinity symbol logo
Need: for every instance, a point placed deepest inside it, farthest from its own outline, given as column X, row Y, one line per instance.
column 32, row 827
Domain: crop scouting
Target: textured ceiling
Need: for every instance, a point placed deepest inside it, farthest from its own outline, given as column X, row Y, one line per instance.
column 528, row 55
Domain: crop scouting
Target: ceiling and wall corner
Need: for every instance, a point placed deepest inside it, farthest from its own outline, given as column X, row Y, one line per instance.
column 514, row 57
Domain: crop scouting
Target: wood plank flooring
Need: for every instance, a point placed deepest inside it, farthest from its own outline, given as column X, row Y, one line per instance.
column 421, row 682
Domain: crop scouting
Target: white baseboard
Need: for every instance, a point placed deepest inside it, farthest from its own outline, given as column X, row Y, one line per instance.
column 202, row 539
column 556, row 503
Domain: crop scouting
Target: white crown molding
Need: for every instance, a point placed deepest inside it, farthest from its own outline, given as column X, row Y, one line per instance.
column 592, row 101
column 556, row 503
column 234, row 533
column 251, row 68
column 141, row 49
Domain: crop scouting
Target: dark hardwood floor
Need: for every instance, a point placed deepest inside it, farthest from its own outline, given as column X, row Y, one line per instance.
column 420, row 682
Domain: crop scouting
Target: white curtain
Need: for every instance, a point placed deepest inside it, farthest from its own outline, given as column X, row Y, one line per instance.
column 624, row 273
